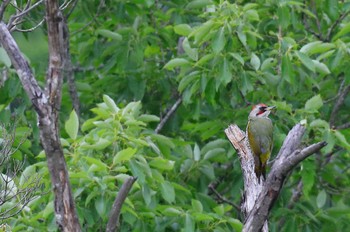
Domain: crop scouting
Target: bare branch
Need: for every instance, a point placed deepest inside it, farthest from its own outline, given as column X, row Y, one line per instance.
column 14, row 196
column 24, row 72
column 343, row 93
column 3, row 7
column 168, row 115
column 113, row 221
column 286, row 160
column 252, row 186
column 344, row 126
column 260, row 196
column 30, row 29
column 222, row 198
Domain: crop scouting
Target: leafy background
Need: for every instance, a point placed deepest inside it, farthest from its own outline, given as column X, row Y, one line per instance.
column 134, row 59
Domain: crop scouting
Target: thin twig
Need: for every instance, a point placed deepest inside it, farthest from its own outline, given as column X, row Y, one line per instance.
column 308, row 28
column 113, row 221
column 98, row 11
column 222, row 198
column 344, row 126
column 72, row 9
column 168, row 114
column 339, row 92
column 339, row 102
column 335, row 24
column 3, row 7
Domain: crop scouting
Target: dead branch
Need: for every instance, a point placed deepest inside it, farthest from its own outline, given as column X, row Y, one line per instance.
column 252, row 186
column 168, row 115
column 343, row 92
column 222, row 198
column 267, row 192
column 14, row 197
column 113, row 221
column 3, row 7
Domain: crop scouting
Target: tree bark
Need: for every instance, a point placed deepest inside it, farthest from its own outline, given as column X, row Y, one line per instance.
column 260, row 197
column 47, row 103
column 113, row 222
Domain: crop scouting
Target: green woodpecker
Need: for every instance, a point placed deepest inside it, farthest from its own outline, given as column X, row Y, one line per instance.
column 260, row 137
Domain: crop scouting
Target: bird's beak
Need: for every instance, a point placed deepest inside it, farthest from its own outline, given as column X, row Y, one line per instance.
column 270, row 108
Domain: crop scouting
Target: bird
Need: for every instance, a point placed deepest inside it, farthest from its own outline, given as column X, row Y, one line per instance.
column 260, row 137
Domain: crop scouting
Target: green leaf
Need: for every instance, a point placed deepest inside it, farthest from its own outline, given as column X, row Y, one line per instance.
column 284, row 17
column 307, row 62
column 197, row 206
column 316, row 47
column 314, row 103
column 72, row 125
column 4, row 58
column 321, row 199
column 319, row 123
column 187, row 80
column 99, row 145
column 182, row 29
column 198, row 4
column 287, row 70
column 191, row 52
column 342, row 139
column 236, row 224
column 308, row 176
column 345, row 30
column 321, row 67
column 176, row 62
column 124, row 155
column 219, row 40
column 255, row 61
column 214, row 153
column 202, row 31
column 168, row 192
column 171, row 211
column 148, row 118
column 28, row 174
column 225, row 75
column 205, row 59
column 110, row 104
column 252, row 15
column 97, row 162
column 242, row 36
column 49, row 209
column 268, row 63
column 100, row 206
column 109, row 34
column 196, row 152
column 162, row 164
column 189, row 223
column 146, row 193
column 238, row 57
column 137, row 171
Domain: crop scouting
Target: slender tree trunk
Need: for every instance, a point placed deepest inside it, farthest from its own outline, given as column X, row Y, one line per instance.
column 47, row 104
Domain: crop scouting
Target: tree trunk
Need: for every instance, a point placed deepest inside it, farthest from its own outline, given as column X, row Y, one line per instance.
column 47, row 104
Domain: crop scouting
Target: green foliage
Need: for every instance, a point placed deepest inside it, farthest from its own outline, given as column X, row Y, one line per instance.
column 292, row 54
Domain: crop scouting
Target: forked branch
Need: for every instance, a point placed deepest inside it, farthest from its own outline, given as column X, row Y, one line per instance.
column 289, row 156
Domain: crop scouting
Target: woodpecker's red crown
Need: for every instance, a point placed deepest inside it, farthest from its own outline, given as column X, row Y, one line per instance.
column 261, row 110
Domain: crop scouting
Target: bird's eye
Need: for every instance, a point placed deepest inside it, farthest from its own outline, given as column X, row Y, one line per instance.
column 262, row 108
